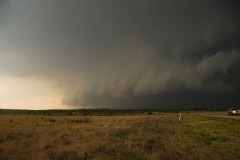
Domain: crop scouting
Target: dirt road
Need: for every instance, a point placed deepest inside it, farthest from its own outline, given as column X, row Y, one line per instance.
column 220, row 114
column 235, row 117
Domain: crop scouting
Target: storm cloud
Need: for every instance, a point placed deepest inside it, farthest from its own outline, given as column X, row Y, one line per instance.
column 121, row 53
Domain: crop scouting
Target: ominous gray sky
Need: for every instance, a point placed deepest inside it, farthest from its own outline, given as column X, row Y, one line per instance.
column 126, row 53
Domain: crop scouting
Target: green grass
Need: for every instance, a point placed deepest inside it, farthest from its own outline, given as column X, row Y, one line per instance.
column 216, row 137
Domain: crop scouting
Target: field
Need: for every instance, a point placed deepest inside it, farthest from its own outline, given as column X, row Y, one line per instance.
column 135, row 136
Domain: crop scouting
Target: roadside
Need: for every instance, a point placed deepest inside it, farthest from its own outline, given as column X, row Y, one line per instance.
column 217, row 114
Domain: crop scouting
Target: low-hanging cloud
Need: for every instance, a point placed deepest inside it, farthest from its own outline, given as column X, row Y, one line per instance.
column 142, row 78
column 138, row 53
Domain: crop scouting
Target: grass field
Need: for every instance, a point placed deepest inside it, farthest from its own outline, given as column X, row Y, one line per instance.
column 157, row 136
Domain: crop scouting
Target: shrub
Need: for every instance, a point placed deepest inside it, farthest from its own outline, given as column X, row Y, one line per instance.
column 29, row 135
column 149, row 113
column 52, row 120
column 2, row 139
column 66, row 142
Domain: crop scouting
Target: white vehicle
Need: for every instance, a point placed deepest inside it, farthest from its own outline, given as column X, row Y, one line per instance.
column 234, row 112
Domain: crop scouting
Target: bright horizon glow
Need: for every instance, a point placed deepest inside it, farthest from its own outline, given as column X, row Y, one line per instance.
column 28, row 93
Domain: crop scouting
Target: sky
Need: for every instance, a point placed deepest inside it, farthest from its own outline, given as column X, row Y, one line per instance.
column 119, row 54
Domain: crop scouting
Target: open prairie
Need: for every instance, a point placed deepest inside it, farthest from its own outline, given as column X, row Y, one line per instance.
column 157, row 136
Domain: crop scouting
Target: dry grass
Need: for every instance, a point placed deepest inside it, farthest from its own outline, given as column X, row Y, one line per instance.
column 119, row 137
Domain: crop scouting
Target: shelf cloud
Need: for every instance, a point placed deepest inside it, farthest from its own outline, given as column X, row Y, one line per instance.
column 120, row 53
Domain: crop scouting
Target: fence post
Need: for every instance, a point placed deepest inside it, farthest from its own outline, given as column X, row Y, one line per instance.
column 180, row 115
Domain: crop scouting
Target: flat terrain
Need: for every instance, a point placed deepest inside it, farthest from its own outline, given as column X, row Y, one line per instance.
column 219, row 114
column 157, row 136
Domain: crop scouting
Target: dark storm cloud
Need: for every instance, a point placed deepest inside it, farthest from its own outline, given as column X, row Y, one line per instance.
column 137, row 53
column 3, row 6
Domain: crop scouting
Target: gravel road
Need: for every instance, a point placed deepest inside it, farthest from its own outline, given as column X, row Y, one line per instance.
column 219, row 115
